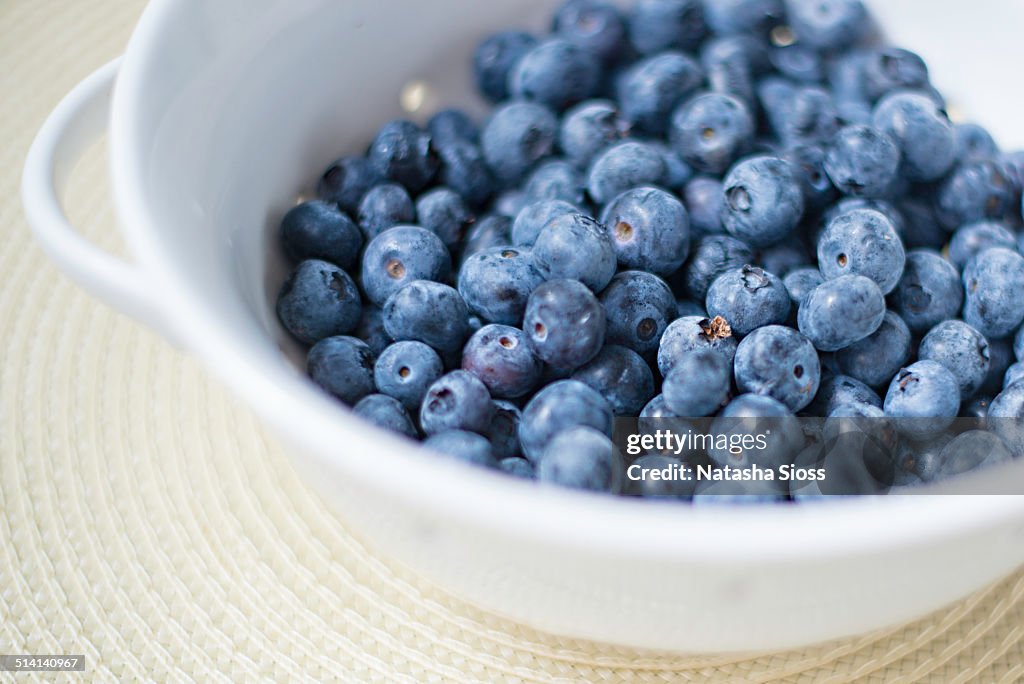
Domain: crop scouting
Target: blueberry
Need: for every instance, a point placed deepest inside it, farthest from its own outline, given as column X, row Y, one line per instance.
column 556, row 73
column 588, row 128
column 876, row 358
column 921, row 227
column 710, row 131
column 971, row 450
column 917, row 462
column 510, row 203
column 974, row 143
column 494, row 59
column 783, row 257
column 496, row 283
column 1018, row 344
column 1000, row 356
column 1006, row 417
column 962, row 350
column 386, row 412
column 456, row 401
column 649, row 229
column 837, row 390
column 653, row 412
column 993, row 282
column 973, row 238
column 925, row 397
column 345, row 182
column 504, row 431
column 846, row 80
column 862, row 242
column 976, row 409
column 464, row 446
column 853, row 112
column 807, row 117
column 748, row 298
column 404, row 370
column 534, row 217
column 562, row 405
column 319, row 230
column 855, row 461
column 1013, row 374
column 691, row 333
column 403, row 152
column 370, row 329
column 848, row 204
column 800, row 281
column 650, row 89
column 862, row 162
column 593, row 25
column 442, row 212
column 464, row 169
column 575, row 247
column 517, row 136
column 343, row 366
column 517, row 467
column 702, row 197
column 974, row 191
column 742, row 16
column 556, row 179
column 799, row 63
column 808, row 161
column 842, row 311
column 383, row 206
column 623, row 166
column 685, row 307
column 890, row 68
column 452, row 124
column 645, row 478
column 779, row 362
column 400, row 255
column 429, row 312
column 763, row 200
column 493, row 230
column 564, row 323
column 656, row 25
column 621, row 376
column 698, row 384
column 677, row 172
column 639, row 306
column 712, row 256
column 500, row 356
column 749, row 415
column 732, row 65
column 827, row 24
column 929, row 291
column 860, row 417
column 318, row 300
column 921, row 131
column 729, row 65
column 580, row 458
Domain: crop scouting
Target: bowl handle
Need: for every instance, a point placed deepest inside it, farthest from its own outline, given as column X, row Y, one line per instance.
column 78, row 121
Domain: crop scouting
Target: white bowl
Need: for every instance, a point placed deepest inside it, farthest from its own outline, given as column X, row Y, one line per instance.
column 225, row 111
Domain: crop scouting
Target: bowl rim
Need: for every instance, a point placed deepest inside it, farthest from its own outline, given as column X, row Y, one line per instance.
column 469, row 496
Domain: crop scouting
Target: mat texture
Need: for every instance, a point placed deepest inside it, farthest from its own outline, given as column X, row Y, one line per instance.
column 148, row 522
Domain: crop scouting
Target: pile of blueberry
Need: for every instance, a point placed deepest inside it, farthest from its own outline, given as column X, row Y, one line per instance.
column 684, row 208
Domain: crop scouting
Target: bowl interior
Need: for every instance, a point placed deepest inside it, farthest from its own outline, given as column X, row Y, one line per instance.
column 230, row 111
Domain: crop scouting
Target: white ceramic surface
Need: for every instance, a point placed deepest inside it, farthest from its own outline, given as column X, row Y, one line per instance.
column 225, row 111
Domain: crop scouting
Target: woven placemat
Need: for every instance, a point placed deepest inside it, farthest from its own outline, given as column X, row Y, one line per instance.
column 148, row 522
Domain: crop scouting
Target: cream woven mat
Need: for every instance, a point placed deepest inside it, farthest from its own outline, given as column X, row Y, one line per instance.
column 148, row 522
